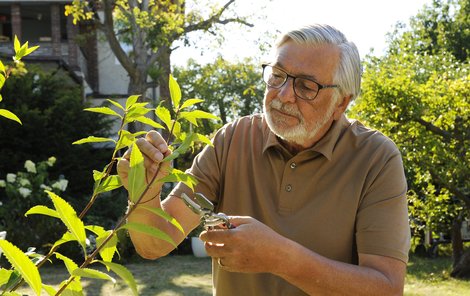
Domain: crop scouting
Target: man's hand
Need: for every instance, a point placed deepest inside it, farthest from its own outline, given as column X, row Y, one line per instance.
column 154, row 149
column 249, row 247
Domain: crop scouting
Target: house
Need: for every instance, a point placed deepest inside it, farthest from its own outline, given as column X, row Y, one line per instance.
column 78, row 49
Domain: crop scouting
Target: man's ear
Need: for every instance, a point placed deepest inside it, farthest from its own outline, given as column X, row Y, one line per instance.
column 339, row 110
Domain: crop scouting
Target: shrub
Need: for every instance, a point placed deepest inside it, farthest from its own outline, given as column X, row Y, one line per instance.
column 51, row 107
column 22, row 190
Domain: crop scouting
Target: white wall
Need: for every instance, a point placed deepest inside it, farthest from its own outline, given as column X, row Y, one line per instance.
column 113, row 79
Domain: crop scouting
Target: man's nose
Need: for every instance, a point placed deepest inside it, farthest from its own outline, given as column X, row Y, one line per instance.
column 286, row 92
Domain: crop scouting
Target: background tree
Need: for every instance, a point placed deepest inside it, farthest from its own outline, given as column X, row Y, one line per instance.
column 418, row 94
column 229, row 90
column 151, row 27
column 51, row 107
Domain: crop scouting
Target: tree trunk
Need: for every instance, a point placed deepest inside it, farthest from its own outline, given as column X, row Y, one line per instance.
column 462, row 268
column 457, row 244
column 165, row 65
column 461, row 259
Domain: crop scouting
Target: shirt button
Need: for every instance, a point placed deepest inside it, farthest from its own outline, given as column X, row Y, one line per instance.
column 288, row 188
column 293, row 165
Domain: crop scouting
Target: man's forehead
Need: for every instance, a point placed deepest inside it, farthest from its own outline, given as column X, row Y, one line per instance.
column 307, row 60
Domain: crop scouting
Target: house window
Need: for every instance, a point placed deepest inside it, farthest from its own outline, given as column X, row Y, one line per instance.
column 5, row 24
column 36, row 23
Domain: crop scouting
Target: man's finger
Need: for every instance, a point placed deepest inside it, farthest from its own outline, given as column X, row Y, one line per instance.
column 149, row 150
column 157, row 141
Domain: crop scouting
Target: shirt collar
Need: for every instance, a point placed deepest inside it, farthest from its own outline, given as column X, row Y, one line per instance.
column 324, row 146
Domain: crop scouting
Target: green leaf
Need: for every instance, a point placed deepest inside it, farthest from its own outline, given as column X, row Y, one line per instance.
column 131, row 101
column 203, row 139
column 2, row 69
column 9, row 115
column 108, row 251
column 175, row 93
column 42, row 210
column 192, row 116
column 136, row 174
column 23, row 265
column 176, row 129
column 31, row 49
column 69, row 263
column 164, row 215
column 67, row 237
column 124, row 274
column 11, row 294
column 21, row 52
column 74, row 288
column 116, row 104
column 109, row 183
column 98, row 230
column 16, row 44
column 103, row 110
column 49, row 289
column 180, row 176
column 2, row 81
column 150, row 122
column 5, row 275
column 125, row 139
column 69, row 217
column 164, row 115
column 173, row 155
column 190, row 102
column 97, row 175
column 136, row 112
column 152, row 231
column 13, row 280
column 92, row 273
column 93, row 139
column 182, row 148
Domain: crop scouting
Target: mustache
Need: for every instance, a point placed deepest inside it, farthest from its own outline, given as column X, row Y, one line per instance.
column 285, row 108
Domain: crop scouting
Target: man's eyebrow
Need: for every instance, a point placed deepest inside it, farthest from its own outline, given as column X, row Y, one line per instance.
column 306, row 76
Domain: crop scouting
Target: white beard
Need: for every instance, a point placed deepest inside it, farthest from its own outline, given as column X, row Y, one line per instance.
column 300, row 133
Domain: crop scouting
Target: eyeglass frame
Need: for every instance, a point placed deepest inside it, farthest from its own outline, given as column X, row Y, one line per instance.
column 320, row 86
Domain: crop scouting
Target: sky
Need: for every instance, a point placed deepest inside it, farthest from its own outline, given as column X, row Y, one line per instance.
column 365, row 22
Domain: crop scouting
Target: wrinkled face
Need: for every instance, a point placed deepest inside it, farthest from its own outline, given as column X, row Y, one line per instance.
column 295, row 120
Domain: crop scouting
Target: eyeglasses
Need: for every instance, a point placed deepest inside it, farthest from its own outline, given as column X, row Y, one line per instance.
column 304, row 88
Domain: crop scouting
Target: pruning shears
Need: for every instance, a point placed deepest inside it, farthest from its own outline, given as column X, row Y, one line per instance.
column 205, row 209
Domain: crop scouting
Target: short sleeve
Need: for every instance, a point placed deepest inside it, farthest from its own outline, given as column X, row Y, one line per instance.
column 382, row 226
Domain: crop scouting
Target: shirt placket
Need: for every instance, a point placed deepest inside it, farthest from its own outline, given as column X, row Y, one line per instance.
column 288, row 186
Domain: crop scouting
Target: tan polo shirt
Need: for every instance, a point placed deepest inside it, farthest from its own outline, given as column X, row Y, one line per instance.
column 343, row 196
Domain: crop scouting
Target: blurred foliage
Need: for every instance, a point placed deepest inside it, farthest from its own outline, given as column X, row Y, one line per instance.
column 418, row 94
column 229, row 90
column 51, row 107
column 20, row 191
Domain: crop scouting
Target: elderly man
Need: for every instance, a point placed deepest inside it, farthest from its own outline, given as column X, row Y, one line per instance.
column 318, row 200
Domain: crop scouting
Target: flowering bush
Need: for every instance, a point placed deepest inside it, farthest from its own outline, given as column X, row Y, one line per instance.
column 18, row 193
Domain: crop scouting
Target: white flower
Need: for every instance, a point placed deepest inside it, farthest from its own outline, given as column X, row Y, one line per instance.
column 45, row 187
column 11, row 178
column 51, row 161
column 25, row 192
column 61, row 184
column 3, row 183
column 24, row 182
column 30, row 166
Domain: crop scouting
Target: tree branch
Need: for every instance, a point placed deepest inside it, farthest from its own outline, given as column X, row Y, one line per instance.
column 215, row 19
column 434, row 129
column 108, row 30
column 453, row 189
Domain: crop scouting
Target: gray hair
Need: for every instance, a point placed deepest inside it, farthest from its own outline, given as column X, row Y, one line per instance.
column 348, row 73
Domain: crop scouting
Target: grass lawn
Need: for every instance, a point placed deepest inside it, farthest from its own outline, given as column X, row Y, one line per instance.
column 187, row 275
column 432, row 277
